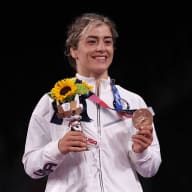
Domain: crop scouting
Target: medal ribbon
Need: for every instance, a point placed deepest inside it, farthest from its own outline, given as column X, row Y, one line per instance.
column 117, row 102
column 97, row 100
column 117, row 98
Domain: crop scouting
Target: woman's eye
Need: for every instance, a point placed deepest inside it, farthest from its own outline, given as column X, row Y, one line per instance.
column 108, row 42
column 92, row 42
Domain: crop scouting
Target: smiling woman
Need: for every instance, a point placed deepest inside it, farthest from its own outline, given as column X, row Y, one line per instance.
column 87, row 30
column 68, row 149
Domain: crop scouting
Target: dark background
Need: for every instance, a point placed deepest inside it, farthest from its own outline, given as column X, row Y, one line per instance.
column 153, row 58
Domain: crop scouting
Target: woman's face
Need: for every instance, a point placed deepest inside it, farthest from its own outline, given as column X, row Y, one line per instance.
column 94, row 53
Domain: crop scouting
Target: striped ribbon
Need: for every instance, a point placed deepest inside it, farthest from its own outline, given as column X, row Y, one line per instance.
column 97, row 100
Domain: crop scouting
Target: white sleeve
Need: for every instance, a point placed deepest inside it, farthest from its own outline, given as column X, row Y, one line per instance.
column 148, row 162
column 41, row 155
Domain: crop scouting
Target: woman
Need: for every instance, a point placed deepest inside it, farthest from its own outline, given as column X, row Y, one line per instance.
column 117, row 138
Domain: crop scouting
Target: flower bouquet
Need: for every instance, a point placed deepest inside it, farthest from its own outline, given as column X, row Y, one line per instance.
column 66, row 93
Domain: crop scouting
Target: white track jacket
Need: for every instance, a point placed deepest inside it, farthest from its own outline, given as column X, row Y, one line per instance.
column 111, row 166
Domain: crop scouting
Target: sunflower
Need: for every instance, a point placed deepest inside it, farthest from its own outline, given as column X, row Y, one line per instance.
column 66, row 89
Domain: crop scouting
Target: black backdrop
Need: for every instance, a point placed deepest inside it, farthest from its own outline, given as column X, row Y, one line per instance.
column 153, row 58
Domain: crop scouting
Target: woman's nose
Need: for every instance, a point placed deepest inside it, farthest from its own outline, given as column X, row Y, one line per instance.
column 100, row 46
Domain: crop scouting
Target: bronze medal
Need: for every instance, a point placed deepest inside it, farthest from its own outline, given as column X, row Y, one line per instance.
column 142, row 117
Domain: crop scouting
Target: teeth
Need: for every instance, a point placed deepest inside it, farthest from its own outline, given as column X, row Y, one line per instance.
column 100, row 58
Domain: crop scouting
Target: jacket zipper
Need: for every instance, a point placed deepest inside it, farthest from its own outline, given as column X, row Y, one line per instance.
column 99, row 131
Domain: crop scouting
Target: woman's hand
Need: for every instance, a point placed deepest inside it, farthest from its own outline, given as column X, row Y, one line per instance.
column 73, row 141
column 143, row 138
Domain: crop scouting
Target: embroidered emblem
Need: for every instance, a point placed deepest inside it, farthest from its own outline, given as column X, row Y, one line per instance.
column 47, row 169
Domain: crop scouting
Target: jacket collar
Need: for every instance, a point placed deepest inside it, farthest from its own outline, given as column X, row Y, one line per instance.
column 91, row 80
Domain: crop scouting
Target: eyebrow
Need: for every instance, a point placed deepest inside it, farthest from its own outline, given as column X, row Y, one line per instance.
column 96, row 37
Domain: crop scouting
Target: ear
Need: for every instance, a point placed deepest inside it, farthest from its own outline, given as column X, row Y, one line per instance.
column 73, row 53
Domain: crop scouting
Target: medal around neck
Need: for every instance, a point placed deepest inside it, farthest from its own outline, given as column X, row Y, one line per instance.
column 142, row 117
